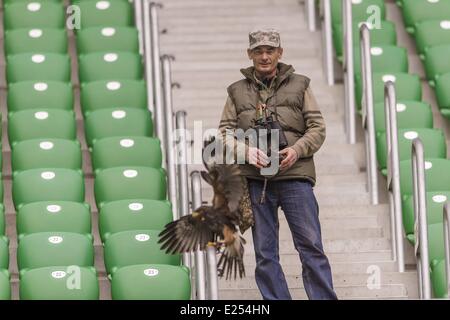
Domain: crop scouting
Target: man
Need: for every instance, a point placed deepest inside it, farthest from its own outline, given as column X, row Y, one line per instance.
column 271, row 87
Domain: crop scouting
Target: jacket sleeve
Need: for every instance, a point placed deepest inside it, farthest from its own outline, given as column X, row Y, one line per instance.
column 227, row 128
column 315, row 131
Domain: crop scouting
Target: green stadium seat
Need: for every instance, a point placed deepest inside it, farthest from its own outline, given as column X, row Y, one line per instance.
column 126, row 215
column 417, row 11
column 439, row 280
column 35, row 40
column 2, row 220
column 359, row 10
column 433, row 141
column 46, row 249
column 45, row 14
column 386, row 35
column 123, row 122
column 4, row 252
column 54, row 216
column 47, row 185
column 410, row 114
column 437, row 62
column 103, row 39
column 105, row 13
column 113, row 94
column 59, row 283
column 5, row 286
column 390, row 59
column 110, row 66
column 437, row 176
column 442, row 91
column 407, row 86
column 431, row 33
column 435, row 204
column 151, row 282
column 121, row 183
column 38, row 67
column 41, row 124
column 48, row 153
column 34, row 95
column 135, row 247
column 126, row 151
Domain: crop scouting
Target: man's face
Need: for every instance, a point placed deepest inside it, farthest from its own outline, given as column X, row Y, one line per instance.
column 265, row 59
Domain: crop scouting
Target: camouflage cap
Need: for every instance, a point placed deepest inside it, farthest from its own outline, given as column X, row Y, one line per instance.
column 264, row 37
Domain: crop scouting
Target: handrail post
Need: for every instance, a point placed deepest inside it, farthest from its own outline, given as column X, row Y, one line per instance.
column 139, row 23
column 367, row 114
column 157, row 74
column 311, row 12
column 328, row 43
column 211, row 266
column 170, row 154
column 148, row 55
column 447, row 245
column 420, row 219
column 200, row 270
column 393, row 178
column 348, row 68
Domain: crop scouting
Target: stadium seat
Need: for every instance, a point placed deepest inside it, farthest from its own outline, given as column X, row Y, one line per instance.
column 34, row 95
column 439, row 280
column 417, row 11
column 5, row 286
column 442, row 91
column 110, row 66
column 105, row 13
column 360, row 10
column 385, row 35
column 101, row 39
column 126, row 215
column 47, row 185
column 38, row 67
column 433, row 141
column 410, row 114
column 127, row 248
column 2, row 220
column 126, row 151
column 4, row 252
column 437, row 62
column 46, row 153
column 28, row 40
column 121, row 183
column 44, row 14
column 432, row 33
column 113, row 94
column 54, row 216
column 46, row 249
column 59, row 283
column 407, row 86
column 384, row 59
column 121, row 122
column 151, row 282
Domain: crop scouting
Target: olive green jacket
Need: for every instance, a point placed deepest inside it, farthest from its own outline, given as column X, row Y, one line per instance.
column 298, row 114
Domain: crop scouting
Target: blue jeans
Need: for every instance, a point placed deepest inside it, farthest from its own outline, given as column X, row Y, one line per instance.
column 297, row 200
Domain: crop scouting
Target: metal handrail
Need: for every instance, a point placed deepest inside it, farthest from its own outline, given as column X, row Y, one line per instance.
column 169, row 126
column 447, row 245
column 311, row 13
column 420, row 219
column 393, row 176
column 157, row 74
column 200, row 267
column 328, row 43
column 367, row 114
column 348, row 69
column 211, row 266
column 148, row 55
column 138, row 20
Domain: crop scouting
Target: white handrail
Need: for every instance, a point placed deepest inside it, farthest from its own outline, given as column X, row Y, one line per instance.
column 420, row 219
column 148, row 55
column 367, row 114
column 328, row 43
column 311, row 13
column 138, row 20
column 393, row 176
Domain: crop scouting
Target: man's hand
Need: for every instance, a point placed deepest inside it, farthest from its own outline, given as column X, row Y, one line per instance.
column 289, row 156
column 257, row 157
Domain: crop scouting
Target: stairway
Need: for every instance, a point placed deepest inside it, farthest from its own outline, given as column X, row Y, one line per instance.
column 208, row 39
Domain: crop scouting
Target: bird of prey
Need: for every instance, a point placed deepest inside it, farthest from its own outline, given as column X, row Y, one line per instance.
column 213, row 225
